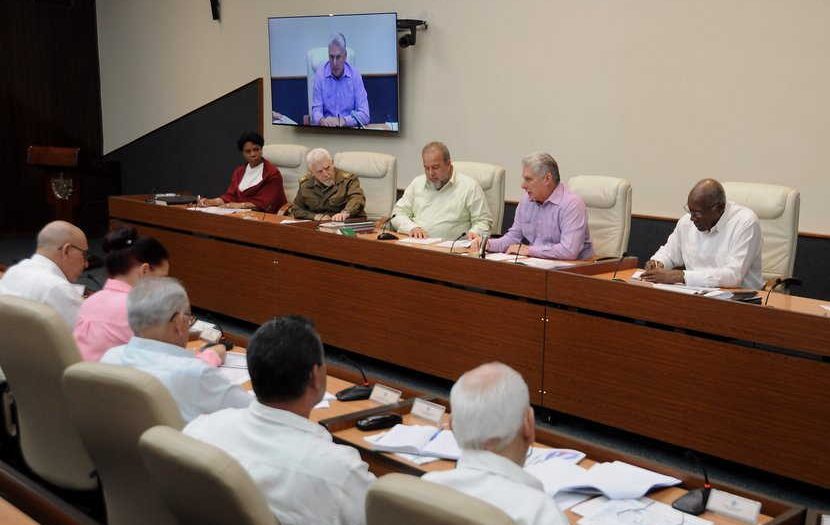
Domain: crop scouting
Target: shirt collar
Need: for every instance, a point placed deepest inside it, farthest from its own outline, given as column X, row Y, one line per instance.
column 485, row 461
column 556, row 195
column 288, row 419
column 722, row 220
column 116, row 285
column 428, row 185
column 159, row 347
column 338, row 177
column 48, row 264
column 347, row 71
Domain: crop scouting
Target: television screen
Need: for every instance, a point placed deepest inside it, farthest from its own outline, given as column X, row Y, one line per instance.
column 335, row 71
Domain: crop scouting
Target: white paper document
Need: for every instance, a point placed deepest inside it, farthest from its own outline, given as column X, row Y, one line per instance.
column 325, row 403
column 235, row 360
column 715, row 293
column 641, row 511
column 539, row 455
column 636, row 275
column 826, row 308
column 294, row 221
column 501, row 257
column 217, row 210
column 545, row 264
column 421, row 440
column 413, row 240
column 462, row 243
column 616, row 480
column 236, row 376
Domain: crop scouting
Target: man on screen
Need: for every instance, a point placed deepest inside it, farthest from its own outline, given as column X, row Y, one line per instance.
column 339, row 98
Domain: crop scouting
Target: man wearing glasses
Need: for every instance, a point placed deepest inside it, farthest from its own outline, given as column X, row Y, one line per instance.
column 158, row 311
column 718, row 242
column 48, row 276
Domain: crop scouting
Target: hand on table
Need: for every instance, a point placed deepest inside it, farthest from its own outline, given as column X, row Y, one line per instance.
column 342, row 216
column 521, row 249
column 219, row 349
column 653, row 265
column 662, row 276
column 418, row 233
column 330, row 122
column 204, row 201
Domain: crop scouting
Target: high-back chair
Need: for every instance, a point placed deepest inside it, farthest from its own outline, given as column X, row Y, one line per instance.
column 378, row 174
column 491, row 179
column 36, row 348
column 290, row 159
column 608, row 200
column 777, row 208
column 112, row 406
column 200, row 483
column 408, row 500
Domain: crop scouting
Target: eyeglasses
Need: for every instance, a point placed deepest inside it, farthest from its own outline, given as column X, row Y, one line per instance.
column 187, row 316
column 85, row 253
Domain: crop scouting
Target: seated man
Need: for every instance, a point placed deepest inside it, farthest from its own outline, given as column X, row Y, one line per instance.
column 493, row 424
column 552, row 219
column 158, row 311
column 441, row 202
column 327, row 193
column 48, row 275
column 305, row 477
column 718, row 242
column 338, row 96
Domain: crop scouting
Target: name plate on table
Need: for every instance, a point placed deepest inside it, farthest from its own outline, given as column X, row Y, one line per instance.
column 384, row 395
column 427, row 410
column 737, row 507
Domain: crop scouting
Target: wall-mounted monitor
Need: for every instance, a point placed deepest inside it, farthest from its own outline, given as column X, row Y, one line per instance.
column 338, row 71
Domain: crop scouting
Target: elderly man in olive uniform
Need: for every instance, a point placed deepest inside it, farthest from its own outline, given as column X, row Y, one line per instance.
column 327, row 193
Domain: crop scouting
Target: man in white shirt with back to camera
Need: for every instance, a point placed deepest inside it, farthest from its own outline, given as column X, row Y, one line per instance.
column 718, row 242
column 493, row 424
column 158, row 311
column 305, row 477
column 441, row 203
column 48, row 276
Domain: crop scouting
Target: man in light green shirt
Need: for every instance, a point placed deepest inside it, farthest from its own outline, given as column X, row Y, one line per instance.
column 441, row 202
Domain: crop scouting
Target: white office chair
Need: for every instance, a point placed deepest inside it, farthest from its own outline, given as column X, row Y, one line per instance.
column 407, row 500
column 290, row 159
column 378, row 174
column 316, row 58
column 777, row 208
column 608, row 200
column 491, row 179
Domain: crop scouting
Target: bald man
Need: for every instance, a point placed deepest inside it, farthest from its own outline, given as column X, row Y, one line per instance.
column 717, row 242
column 493, row 424
column 48, row 275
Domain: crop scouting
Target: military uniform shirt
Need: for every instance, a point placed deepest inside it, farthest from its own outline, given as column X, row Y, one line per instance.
column 313, row 197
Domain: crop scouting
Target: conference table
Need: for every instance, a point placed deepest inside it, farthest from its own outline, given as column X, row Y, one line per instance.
column 743, row 382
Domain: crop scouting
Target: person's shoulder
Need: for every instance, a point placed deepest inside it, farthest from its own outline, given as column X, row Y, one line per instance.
column 743, row 214
column 215, row 421
column 270, row 170
column 419, row 180
column 114, row 355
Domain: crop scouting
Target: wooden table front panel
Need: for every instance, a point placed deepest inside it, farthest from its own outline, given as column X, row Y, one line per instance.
column 437, row 329
column 759, row 408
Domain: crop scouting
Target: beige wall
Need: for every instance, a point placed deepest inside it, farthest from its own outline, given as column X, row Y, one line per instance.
column 662, row 92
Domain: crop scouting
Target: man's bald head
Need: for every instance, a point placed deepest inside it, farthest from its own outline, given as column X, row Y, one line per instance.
column 706, row 203
column 66, row 245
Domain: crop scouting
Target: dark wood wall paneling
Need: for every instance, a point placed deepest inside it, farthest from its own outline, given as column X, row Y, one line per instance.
column 50, row 96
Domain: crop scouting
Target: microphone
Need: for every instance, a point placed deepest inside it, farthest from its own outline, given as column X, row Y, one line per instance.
column 694, row 501
column 617, row 268
column 385, row 235
column 463, row 234
column 518, row 250
column 482, row 250
column 356, row 392
column 782, row 281
column 360, row 124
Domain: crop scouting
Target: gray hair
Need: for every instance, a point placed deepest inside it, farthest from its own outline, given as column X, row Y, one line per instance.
column 542, row 163
column 317, row 155
column 440, row 146
column 338, row 40
column 154, row 301
column 488, row 404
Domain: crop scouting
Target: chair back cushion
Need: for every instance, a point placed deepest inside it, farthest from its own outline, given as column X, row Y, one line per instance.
column 407, row 500
column 199, row 482
column 378, row 174
column 777, row 208
column 608, row 200
column 112, row 406
column 290, row 159
column 491, row 179
column 36, row 348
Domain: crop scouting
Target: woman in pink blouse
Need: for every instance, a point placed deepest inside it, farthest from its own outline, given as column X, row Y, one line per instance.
column 102, row 319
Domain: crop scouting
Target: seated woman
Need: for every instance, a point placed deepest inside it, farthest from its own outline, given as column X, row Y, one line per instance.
column 257, row 184
column 327, row 193
column 102, row 318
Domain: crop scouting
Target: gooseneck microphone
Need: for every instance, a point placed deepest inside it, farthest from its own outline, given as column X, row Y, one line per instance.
column 518, row 251
column 463, row 234
column 482, row 250
column 385, row 235
column 781, row 281
column 356, row 392
column 617, row 268
column 694, row 501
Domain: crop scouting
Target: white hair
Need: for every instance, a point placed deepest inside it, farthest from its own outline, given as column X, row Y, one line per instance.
column 338, row 40
column 488, row 405
column 317, row 155
column 154, row 301
column 542, row 163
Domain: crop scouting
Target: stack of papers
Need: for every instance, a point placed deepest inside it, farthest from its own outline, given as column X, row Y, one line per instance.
column 216, row 210
column 413, row 240
column 540, row 455
column 617, row 480
column 459, row 244
column 235, row 368
column 326, row 402
column 501, row 257
column 545, row 264
column 642, row 511
column 420, row 440
column 715, row 293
